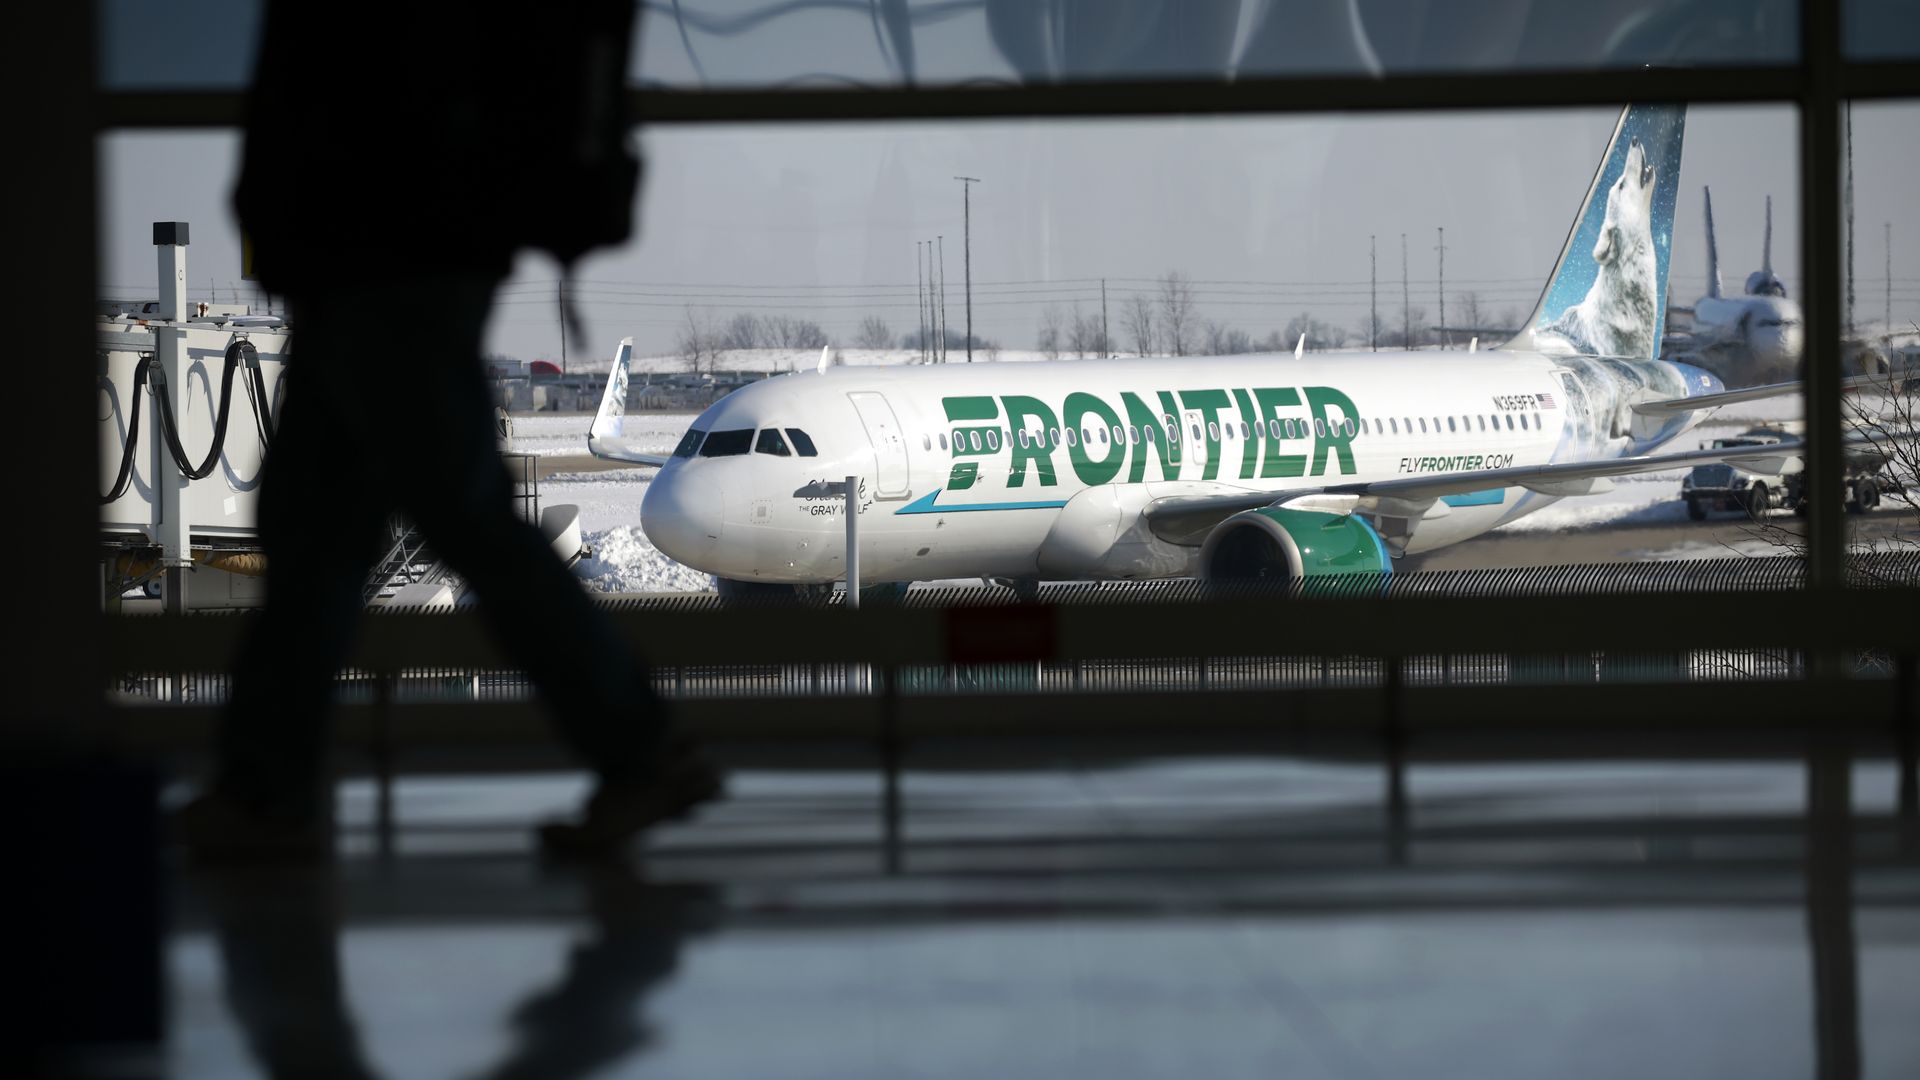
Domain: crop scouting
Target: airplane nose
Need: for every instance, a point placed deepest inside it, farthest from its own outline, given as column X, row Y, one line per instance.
column 682, row 519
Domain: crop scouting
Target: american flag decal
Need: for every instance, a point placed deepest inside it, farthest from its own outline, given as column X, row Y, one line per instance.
column 1546, row 401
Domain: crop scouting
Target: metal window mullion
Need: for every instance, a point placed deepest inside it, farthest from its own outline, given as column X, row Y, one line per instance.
column 1820, row 105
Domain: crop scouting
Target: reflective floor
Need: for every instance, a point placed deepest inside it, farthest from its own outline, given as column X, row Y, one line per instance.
column 1195, row 919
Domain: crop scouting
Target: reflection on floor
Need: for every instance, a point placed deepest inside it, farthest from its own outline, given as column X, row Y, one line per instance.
column 1197, row 919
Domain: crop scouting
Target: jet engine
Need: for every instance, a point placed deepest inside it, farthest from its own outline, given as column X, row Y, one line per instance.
column 1277, row 545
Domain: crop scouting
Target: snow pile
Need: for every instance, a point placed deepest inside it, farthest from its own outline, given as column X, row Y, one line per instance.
column 624, row 561
column 1647, row 499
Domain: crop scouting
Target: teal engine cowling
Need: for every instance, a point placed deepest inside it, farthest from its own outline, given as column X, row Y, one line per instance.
column 1276, row 545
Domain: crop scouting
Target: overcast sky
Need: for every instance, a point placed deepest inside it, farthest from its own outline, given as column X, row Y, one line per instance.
column 1290, row 200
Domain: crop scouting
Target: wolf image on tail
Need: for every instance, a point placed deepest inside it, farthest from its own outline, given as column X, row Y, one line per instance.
column 1619, row 316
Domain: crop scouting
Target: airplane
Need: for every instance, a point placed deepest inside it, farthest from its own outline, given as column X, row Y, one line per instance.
column 1756, row 336
column 1266, row 467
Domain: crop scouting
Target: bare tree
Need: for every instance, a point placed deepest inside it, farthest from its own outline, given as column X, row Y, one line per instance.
column 1179, row 325
column 1137, row 318
column 793, row 332
column 1320, row 335
column 873, row 334
column 743, row 331
column 1050, row 331
column 1219, row 339
column 697, row 342
column 1884, row 474
column 1473, row 318
column 1085, row 336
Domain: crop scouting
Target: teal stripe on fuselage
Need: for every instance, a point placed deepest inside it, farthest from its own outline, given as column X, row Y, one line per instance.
column 1489, row 497
column 925, row 505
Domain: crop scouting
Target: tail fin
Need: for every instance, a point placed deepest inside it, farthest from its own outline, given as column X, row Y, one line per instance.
column 613, row 401
column 1766, row 245
column 1608, row 292
column 1764, row 282
column 1713, row 248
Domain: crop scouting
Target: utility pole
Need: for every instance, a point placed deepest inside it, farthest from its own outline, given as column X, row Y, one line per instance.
column 1887, row 315
column 1373, row 295
column 943, row 296
column 1406, row 300
column 966, row 211
column 1442, row 248
column 560, row 297
column 920, row 300
column 1106, row 343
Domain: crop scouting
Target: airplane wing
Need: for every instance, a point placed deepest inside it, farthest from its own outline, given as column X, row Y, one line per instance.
column 606, row 438
column 1672, row 406
column 1187, row 519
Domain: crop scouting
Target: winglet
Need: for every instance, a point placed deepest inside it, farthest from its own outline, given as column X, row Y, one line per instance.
column 825, row 352
column 613, row 400
column 1300, row 347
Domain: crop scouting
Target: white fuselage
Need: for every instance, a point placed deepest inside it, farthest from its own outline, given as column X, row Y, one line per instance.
column 1070, row 452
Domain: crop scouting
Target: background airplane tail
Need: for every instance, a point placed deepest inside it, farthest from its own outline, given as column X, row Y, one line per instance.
column 1607, row 295
column 1713, row 248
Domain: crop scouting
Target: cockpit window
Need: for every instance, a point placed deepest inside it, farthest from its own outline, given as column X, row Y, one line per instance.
column 689, row 443
column 801, row 444
column 770, row 442
column 728, row 443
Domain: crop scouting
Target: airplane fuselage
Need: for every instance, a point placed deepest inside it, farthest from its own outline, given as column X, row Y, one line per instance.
column 1025, row 470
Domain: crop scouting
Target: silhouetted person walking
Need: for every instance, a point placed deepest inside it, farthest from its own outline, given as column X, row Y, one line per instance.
column 392, row 169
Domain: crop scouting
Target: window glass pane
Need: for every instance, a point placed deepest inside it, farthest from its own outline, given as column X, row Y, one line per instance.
column 801, row 444
column 727, row 443
column 1880, row 30
column 770, row 442
column 833, row 44
column 689, row 443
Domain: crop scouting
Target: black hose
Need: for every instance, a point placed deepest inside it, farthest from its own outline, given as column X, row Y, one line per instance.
column 124, row 477
column 163, row 404
column 261, row 402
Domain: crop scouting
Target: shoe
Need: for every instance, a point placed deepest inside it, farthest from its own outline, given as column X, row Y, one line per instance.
column 616, row 813
column 216, row 828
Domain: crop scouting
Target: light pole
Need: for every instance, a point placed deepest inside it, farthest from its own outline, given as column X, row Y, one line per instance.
column 966, row 211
